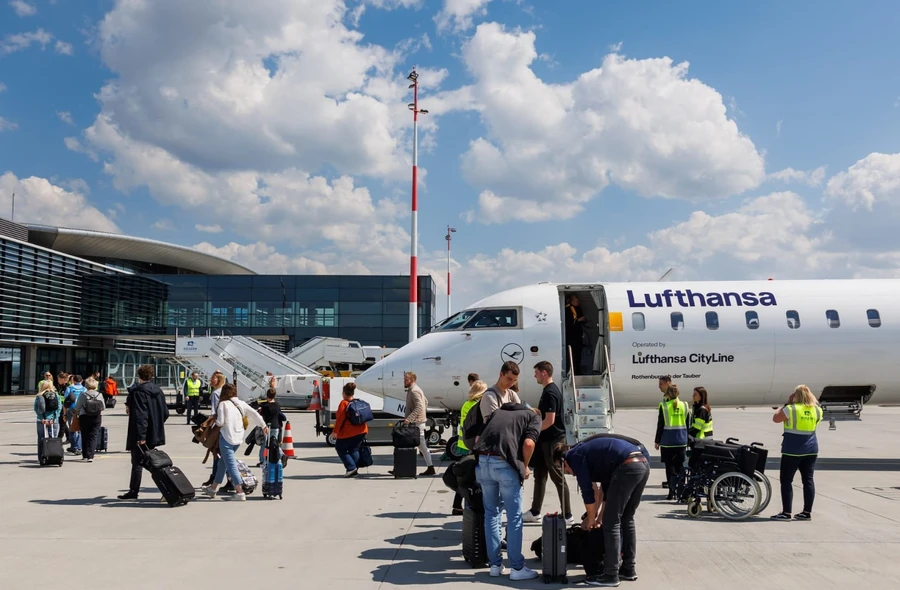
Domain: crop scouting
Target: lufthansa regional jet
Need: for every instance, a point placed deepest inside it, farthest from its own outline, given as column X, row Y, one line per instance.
column 749, row 343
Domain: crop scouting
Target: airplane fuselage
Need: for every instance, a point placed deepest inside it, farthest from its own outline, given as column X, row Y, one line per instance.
column 747, row 342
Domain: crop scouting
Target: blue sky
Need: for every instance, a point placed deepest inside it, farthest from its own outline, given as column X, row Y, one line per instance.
column 774, row 153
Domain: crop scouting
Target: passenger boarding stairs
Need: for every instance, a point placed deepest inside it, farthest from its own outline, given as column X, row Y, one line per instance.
column 206, row 365
column 242, row 355
column 589, row 404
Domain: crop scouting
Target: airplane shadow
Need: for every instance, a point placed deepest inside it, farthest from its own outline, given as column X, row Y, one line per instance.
column 105, row 502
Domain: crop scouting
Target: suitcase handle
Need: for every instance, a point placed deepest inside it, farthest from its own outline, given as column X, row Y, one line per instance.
column 756, row 444
column 731, row 441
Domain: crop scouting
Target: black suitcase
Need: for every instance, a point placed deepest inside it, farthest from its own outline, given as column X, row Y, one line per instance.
column 474, row 542
column 52, row 452
column 554, row 538
column 102, row 440
column 405, row 462
column 110, row 402
column 174, row 485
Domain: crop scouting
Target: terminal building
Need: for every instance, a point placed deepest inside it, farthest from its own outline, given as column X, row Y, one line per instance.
column 82, row 301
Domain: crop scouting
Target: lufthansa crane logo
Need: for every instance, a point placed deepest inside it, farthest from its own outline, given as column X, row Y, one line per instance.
column 512, row 352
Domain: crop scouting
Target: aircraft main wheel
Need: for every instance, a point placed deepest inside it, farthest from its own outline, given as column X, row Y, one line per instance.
column 180, row 410
column 452, row 449
column 433, row 438
column 331, row 439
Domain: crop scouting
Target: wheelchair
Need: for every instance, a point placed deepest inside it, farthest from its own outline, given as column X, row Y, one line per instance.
column 728, row 477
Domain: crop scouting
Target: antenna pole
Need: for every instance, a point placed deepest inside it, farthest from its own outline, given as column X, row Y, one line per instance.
column 414, row 233
column 448, row 237
column 13, row 207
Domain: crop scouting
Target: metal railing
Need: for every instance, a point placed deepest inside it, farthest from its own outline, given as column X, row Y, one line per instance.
column 612, row 395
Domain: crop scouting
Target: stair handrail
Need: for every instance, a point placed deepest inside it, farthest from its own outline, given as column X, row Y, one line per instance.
column 612, row 395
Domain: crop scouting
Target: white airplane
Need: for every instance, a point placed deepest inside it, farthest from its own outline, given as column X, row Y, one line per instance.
column 749, row 343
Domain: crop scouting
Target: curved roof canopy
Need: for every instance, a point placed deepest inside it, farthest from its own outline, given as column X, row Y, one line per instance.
column 97, row 244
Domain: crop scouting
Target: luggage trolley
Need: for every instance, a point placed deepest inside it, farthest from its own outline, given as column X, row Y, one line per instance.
column 729, row 476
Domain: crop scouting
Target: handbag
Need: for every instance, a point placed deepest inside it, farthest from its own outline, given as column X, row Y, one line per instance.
column 76, row 424
column 154, row 459
column 207, row 434
column 405, row 436
column 246, row 420
column 365, row 455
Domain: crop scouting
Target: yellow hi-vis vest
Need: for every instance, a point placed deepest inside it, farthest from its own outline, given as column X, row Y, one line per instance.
column 800, row 430
column 704, row 427
column 674, row 424
column 193, row 387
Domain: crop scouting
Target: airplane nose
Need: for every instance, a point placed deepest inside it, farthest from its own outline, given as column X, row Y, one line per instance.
column 370, row 381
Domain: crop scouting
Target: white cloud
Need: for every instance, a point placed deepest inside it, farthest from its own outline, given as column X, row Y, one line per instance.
column 778, row 127
column 808, row 177
column 457, row 15
column 615, row 47
column 22, row 8
column 40, row 201
column 875, row 178
column 65, row 117
column 164, row 225
column 209, row 229
column 776, row 235
column 640, row 124
column 74, row 145
column 21, row 41
column 7, row 125
column 2, row 87
column 64, row 48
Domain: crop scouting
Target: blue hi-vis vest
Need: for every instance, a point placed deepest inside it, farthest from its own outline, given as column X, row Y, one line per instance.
column 675, row 432
column 800, row 430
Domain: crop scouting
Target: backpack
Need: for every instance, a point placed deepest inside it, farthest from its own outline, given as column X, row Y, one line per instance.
column 473, row 426
column 102, row 387
column 93, row 406
column 51, row 402
column 359, row 412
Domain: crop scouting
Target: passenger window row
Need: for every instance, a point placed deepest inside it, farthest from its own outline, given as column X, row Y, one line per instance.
column 832, row 317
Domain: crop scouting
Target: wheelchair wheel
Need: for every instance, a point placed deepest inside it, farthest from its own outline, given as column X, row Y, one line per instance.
column 694, row 508
column 765, row 487
column 710, row 505
column 735, row 495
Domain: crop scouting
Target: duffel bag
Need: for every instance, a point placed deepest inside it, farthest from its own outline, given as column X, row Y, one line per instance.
column 405, row 436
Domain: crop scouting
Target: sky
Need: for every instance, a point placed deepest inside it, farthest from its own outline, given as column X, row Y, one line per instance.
column 568, row 141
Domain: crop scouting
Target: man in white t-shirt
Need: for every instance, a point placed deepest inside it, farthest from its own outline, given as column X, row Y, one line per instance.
column 501, row 393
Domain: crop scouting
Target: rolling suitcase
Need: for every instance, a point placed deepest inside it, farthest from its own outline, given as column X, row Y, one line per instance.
column 110, row 402
column 474, row 542
column 102, row 440
column 405, row 462
column 52, row 452
column 174, row 485
column 273, row 480
column 249, row 482
column 554, row 538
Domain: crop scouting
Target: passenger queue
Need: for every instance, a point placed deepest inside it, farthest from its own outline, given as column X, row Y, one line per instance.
column 503, row 438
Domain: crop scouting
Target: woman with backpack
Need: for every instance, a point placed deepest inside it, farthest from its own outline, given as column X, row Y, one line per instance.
column 89, row 408
column 47, row 409
column 349, row 436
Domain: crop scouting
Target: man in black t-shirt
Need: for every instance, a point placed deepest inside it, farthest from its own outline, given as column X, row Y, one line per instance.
column 553, row 432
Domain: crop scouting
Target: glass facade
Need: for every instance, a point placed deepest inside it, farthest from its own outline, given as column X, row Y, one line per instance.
column 373, row 310
column 61, row 313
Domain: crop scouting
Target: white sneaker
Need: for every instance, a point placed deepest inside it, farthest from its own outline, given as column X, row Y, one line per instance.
column 208, row 491
column 529, row 516
column 570, row 521
column 240, row 497
column 498, row 570
column 525, row 573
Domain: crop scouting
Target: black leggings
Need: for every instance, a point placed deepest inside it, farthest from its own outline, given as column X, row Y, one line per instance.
column 789, row 467
column 673, row 458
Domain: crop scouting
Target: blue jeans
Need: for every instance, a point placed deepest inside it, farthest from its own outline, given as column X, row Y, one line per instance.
column 274, row 433
column 228, row 462
column 52, row 431
column 348, row 450
column 500, row 484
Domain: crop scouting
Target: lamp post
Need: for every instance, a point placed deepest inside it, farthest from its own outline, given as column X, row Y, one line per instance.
column 414, row 233
column 449, row 237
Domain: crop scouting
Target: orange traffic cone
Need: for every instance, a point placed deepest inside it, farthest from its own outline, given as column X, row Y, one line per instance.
column 316, row 402
column 287, row 444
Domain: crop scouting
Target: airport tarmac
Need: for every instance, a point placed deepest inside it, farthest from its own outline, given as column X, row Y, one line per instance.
column 64, row 526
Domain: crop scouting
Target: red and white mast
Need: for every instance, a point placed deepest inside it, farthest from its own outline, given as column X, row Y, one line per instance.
column 414, row 237
column 450, row 230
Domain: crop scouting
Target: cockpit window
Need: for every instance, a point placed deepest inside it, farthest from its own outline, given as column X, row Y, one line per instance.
column 494, row 318
column 455, row 322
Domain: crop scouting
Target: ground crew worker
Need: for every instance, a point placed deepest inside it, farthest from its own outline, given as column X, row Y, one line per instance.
column 701, row 416
column 476, row 390
column 672, row 436
column 192, row 395
column 799, row 450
